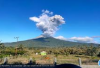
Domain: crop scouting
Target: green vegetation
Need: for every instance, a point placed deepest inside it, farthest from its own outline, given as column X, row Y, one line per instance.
column 7, row 51
column 80, row 50
column 47, row 42
column 90, row 53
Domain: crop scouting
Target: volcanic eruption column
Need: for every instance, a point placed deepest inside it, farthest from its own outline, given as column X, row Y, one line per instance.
column 48, row 23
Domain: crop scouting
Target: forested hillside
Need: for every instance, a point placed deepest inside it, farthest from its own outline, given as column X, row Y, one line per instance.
column 46, row 42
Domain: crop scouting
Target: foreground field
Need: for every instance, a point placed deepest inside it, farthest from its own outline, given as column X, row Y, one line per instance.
column 61, row 59
column 21, row 55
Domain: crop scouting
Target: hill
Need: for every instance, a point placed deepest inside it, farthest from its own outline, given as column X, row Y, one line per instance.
column 46, row 42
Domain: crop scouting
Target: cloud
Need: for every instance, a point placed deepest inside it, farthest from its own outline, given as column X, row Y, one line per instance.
column 95, row 37
column 61, row 38
column 46, row 11
column 78, row 39
column 35, row 19
column 82, row 39
column 48, row 23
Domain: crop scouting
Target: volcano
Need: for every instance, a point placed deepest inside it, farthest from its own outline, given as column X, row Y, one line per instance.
column 42, row 41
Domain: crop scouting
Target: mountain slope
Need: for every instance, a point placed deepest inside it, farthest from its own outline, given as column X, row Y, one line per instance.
column 45, row 42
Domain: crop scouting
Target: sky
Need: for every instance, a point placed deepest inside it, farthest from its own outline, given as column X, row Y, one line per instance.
column 81, row 19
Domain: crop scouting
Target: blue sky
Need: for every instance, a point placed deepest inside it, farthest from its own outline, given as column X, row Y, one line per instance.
column 82, row 19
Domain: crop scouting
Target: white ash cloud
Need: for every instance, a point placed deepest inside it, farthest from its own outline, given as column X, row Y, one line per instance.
column 48, row 23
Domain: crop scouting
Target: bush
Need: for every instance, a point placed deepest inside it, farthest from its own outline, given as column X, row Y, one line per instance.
column 98, row 54
column 2, row 55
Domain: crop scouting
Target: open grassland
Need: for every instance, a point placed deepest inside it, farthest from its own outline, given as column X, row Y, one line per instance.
column 61, row 59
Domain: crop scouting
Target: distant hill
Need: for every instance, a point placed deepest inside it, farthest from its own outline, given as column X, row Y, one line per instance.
column 46, row 42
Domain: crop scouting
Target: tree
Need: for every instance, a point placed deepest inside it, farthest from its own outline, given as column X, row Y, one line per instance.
column 21, row 47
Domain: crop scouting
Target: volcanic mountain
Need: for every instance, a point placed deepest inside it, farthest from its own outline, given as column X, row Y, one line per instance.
column 42, row 41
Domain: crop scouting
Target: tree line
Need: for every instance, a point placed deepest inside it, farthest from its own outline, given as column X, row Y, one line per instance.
column 90, row 50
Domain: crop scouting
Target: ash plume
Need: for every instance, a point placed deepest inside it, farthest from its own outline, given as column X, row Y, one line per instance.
column 48, row 23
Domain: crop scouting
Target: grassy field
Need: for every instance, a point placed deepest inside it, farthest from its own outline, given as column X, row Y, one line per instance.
column 73, row 59
column 89, row 55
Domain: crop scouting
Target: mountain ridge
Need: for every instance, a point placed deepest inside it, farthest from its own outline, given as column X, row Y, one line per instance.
column 46, row 42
